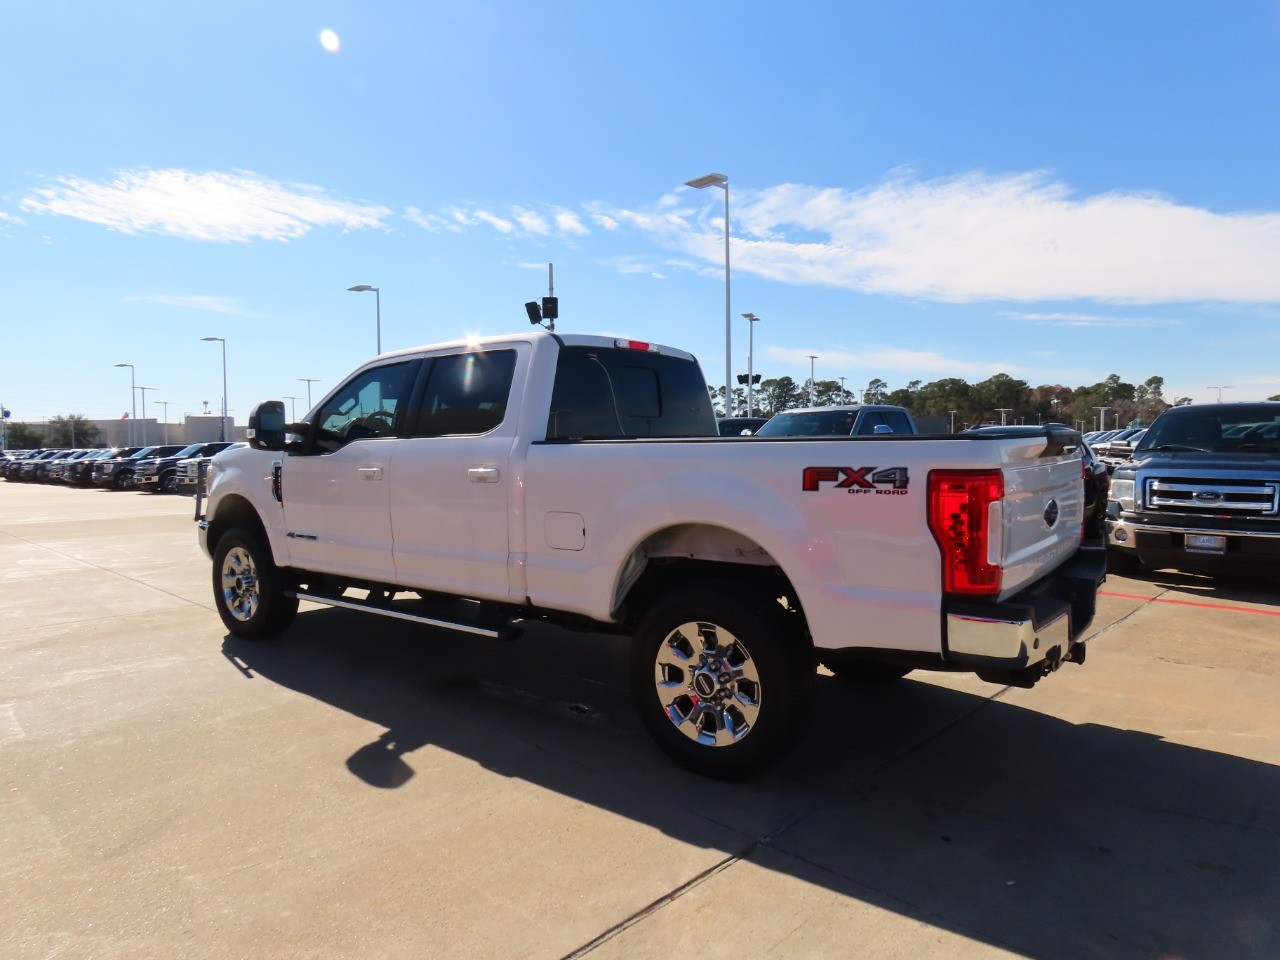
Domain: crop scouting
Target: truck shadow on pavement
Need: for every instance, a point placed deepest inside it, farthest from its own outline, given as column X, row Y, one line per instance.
column 1003, row 825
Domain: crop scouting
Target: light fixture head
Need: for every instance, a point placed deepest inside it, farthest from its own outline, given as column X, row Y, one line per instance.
column 710, row 180
column 750, row 316
column 220, row 339
column 360, row 288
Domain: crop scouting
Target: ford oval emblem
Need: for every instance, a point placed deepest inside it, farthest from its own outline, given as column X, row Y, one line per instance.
column 1208, row 496
column 1051, row 513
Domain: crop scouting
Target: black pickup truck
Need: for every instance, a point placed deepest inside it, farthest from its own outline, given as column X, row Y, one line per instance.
column 1201, row 492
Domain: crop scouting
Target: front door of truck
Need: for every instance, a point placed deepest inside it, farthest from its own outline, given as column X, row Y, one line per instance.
column 336, row 492
column 451, row 482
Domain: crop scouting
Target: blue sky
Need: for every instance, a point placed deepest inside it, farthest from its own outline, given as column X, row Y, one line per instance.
column 917, row 190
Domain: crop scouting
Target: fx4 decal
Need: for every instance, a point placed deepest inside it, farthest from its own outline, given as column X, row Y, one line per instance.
column 886, row 480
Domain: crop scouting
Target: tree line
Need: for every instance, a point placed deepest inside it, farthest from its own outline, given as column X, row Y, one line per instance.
column 998, row 399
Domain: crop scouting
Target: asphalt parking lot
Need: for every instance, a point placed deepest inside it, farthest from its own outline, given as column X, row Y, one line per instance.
column 364, row 788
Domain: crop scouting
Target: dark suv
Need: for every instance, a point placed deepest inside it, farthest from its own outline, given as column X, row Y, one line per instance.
column 159, row 474
column 119, row 472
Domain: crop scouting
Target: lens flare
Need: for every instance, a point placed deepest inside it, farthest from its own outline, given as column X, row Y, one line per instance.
column 329, row 40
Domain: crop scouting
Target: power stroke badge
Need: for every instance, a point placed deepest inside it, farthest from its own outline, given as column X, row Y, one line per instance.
column 891, row 481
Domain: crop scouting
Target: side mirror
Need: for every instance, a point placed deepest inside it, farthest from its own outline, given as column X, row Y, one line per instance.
column 266, row 426
column 882, row 428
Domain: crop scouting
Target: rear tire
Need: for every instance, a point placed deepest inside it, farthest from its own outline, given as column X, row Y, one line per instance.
column 248, row 588
column 723, row 684
column 168, row 482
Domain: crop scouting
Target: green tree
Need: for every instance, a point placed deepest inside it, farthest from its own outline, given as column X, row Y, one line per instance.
column 876, row 391
column 19, row 436
column 73, row 430
column 780, row 394
column 1001, row 392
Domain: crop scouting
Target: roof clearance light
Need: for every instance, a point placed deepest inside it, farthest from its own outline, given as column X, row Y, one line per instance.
column 635, row 345
column 959, row 505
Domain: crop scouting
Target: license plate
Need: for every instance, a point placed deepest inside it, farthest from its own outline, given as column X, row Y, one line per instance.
column 1205, row 543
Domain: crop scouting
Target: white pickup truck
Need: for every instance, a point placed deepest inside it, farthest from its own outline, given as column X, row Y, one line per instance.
column 578, row 480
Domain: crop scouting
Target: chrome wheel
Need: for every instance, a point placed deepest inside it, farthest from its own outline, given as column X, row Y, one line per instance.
column 240, row 592
column 707, row 684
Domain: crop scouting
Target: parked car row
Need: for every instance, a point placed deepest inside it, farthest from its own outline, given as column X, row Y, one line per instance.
column 159, row 468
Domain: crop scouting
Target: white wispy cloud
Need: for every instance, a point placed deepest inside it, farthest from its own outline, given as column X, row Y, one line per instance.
column 221, row 207
column 977, row 237
column 9, row 218
column 223, row 305
column 1091, row 320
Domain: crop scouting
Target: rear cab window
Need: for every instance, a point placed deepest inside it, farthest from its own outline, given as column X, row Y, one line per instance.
column 613, row 394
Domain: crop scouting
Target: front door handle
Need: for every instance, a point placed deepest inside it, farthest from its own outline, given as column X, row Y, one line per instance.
column 368, row 472
column 483, row 473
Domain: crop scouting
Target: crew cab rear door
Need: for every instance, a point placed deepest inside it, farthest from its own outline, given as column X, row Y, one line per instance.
column 451, row 481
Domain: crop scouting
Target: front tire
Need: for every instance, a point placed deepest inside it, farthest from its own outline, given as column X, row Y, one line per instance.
column 249, row 589
column 168, row 482
column 722, row 684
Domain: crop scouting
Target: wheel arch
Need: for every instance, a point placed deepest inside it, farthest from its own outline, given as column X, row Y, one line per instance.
column 678, row 555
column 234, row 511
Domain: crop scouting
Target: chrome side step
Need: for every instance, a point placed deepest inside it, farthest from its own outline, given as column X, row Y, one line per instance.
column 398, row 614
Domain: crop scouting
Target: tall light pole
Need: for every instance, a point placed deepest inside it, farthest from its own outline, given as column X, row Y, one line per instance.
column 133, row 396
column 953, row 419
column 1225, row 386
column 1004, row 414
column 308, row 381
column 143, row 391
column 813, row 396
column 222, row 340
column 721, row 181
column 293, row 412
column 377, row 294
column 164, row 404
column 1102, row 417
column 752, row 320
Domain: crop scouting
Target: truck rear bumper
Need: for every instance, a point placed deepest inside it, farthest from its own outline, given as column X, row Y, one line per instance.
column 1021, row 639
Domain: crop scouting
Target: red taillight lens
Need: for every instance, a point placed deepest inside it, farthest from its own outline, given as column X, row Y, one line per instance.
column 959, row 508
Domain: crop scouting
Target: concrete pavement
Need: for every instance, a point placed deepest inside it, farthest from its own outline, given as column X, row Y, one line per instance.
column 363, row 787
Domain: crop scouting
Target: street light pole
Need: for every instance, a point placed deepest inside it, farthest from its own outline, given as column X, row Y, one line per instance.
column 222, row 340
column 1102, row 417
column 1225, row 386
column 293, row 411
column 721, row 181
column 308, row 381
column 1004, row 414
column 752, row 320
column 953, row 419
column 377, row 294
column 164, row 404
column 133, row 397
column 813, row 395
column 143, row 391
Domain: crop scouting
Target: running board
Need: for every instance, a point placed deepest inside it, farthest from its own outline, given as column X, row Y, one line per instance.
column 399, row 615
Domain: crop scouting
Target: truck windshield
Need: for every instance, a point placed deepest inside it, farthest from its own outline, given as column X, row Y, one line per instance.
column 1216, row 429
column 812, row 423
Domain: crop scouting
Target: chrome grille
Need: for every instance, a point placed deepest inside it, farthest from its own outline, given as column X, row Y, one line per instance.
column 1238, row 497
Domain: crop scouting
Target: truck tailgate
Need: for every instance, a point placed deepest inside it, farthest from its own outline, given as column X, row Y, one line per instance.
column 1040, row 521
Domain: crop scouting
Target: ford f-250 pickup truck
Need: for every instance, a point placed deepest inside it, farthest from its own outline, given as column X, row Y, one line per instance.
column 578, row 480
column 1201, row 492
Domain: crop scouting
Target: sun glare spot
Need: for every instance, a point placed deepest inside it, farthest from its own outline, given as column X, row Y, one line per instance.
column 329, row 40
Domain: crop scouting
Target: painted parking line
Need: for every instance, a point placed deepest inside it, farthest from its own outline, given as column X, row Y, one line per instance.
column 1188, row 603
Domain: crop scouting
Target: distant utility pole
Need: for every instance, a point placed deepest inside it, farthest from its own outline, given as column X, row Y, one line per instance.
column 1225, row 386
column 813, row 396
column 1004, row 414
column 1102, row 417
column 953, row 419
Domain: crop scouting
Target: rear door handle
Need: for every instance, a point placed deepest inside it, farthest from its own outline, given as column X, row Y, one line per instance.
column 369, row 472
column 483, row 473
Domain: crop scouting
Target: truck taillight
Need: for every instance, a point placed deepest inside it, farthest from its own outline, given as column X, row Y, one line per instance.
column 959, row 517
